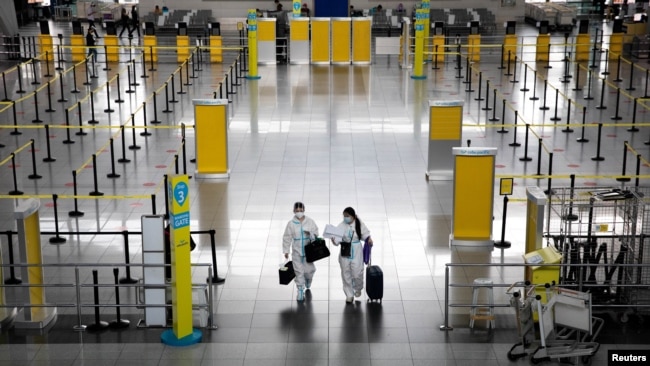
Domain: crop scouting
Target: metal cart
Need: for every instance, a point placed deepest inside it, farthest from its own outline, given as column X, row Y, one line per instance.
column 566, row 327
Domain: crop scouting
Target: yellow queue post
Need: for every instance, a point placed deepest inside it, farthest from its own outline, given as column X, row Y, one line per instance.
column 252, row 45
column 445, row 133
column 299, row 41
column 320, row 40
column 211, row 134
column 182, row 333
column 361, row 40
column 473, row 198
column 341, row 40
column 38, row 314
column 266, row 41
column 418, row 58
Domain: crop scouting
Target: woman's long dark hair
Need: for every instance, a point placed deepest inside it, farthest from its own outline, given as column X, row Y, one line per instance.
column 357, row 222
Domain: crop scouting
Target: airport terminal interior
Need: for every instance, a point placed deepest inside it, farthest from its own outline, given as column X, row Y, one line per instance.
column 330, row 136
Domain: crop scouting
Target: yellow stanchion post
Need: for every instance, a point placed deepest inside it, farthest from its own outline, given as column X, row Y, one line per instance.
column 426, row 5
column 182, row 48
column 211, row 138
column 542, row 48
column 252, row 45
column 150, row 42
column 473, row 198
column 418, row 60
column 112, row 47
column 582, row 47
column 78, row 47
column 509, row 44
column 182, row 333
column 46, row 43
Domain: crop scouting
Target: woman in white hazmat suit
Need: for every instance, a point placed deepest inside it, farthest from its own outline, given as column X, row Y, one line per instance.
column 355, row 231
column 299, row 232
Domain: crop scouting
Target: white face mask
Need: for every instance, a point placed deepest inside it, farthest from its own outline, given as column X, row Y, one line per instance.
column 300, row 215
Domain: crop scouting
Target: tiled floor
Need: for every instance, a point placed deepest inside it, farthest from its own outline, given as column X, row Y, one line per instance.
column 328, row 136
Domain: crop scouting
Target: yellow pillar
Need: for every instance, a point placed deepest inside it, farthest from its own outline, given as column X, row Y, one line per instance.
column 439, row 47
column 582, row 47
column 543, row 46
column 112, row 48
column 46, row 43
column 474, row 47
column 182, row 48
column 252, row 45
column 615, row 45
column 509, row 45
column 341, row 40
column 151, row 43
column 418, row 60
column 77, row 47
column 426, row 5
column 216, row 54
column 361, row 40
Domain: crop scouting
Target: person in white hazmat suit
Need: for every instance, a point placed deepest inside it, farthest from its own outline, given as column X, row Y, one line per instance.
column 299, row 232
column 351, row 255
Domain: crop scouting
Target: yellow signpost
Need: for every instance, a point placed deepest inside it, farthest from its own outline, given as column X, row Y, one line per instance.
column 426, row 5
column 418, row 67
column 252, row 45
column 296, row 8
column 182, row 333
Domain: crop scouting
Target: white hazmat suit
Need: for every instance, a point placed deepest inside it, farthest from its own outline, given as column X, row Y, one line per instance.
column 352, row 267
column 295, row 238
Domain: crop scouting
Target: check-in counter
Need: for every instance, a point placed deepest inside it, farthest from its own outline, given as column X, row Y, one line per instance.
column 341, row 40
column 320, row 40
column 266, row 48
column 361, row 38
column 299, row 44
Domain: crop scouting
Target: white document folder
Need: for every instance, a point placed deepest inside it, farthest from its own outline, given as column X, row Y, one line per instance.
column 332, row 231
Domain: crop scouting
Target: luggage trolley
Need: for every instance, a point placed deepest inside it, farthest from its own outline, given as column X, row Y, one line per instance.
column 566, row 327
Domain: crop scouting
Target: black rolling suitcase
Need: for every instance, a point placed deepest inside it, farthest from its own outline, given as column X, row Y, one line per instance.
column 374, row 283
